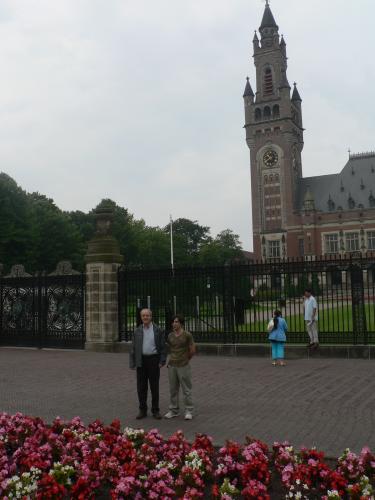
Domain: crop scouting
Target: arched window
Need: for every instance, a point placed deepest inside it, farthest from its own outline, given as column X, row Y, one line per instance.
column 277, row 178
column 276, row 111
column 271, row 179
column 258, row 114
column 267, row 113
column 266, row 179
column 268, row 82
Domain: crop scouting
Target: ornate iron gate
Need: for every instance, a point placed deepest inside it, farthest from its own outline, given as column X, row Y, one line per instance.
column 42, row 311
column 233, row 304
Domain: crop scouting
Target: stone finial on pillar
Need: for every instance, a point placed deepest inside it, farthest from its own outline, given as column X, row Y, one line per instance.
column 103, row 258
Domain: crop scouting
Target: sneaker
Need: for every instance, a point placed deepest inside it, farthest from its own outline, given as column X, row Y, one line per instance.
column 171, row 414
column 188, row 416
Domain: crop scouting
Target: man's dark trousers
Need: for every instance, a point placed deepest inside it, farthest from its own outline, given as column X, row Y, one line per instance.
column 149, row 373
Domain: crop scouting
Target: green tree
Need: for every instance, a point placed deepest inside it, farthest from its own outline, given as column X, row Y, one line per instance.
column 188, row 239
column 15, row 223
column 226, row 247
column 54, row 236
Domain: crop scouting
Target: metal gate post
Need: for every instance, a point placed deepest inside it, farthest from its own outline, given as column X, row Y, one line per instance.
column 228, row 322
column 358, row 305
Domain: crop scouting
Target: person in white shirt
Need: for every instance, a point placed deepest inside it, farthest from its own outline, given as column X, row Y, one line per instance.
column 147, row 355
column 311, row 318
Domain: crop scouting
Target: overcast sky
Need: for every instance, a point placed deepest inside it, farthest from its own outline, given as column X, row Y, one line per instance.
column 141, row 100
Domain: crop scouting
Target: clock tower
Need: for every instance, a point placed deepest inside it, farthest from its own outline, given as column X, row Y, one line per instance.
column 274, row 134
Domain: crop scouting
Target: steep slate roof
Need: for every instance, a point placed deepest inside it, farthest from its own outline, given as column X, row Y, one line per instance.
column 296, row 96
column 356, row 182
column 268, row 20
column 248, row 90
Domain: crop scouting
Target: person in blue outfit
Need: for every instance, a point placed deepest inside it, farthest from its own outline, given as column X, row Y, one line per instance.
column 277, row 328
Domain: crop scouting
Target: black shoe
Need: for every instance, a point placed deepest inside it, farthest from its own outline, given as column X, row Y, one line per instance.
column 141, row 414
column 157, row 415
column 309, row 346
column 316, row 345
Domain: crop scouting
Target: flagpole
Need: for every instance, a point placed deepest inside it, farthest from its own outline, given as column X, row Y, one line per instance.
column 171, row 231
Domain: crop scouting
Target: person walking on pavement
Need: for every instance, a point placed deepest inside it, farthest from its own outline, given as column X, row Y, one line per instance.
column 181, row 350
column 311, row 318
column 147, row 356
column 277, row 328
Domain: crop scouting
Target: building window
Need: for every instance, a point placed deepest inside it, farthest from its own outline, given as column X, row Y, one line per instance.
column 276, row 111
column 274, row 249
column 371, row 240
column 331, row 243
column 352, row 242
column 268, row 81
column 267, row 113
column 258, row 114
column 301, row 247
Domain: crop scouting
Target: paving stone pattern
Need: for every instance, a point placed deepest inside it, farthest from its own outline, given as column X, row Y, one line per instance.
column 323, row 402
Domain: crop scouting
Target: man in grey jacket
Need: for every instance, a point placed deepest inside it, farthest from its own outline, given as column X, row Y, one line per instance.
column 148, row 354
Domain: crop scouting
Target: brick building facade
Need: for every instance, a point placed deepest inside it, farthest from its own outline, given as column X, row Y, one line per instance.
column 295, row 215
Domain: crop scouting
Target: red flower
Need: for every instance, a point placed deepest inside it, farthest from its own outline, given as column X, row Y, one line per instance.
column 49, row 488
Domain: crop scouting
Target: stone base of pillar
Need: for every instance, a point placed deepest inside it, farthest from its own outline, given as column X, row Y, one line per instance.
column 101, row 306
column 103, row 259
column 101, row 346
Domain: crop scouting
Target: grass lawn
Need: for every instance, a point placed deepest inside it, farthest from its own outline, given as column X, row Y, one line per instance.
column 330, row 320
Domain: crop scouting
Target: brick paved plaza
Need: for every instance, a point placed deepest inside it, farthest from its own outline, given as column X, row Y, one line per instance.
column 324, row 402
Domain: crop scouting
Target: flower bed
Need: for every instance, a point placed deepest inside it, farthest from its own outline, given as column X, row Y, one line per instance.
column 71, row 460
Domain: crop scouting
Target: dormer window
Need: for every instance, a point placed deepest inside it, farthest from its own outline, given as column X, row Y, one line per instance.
column 351, row 203
column 268, row 82
column 331, row 204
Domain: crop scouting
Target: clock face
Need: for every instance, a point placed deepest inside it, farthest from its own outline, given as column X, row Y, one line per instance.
column 270, row 158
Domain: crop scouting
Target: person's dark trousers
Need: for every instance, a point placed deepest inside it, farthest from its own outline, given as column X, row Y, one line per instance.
column 148, row 374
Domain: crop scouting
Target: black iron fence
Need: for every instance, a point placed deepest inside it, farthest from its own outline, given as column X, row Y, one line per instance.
column 42, row 311
column 233, row 304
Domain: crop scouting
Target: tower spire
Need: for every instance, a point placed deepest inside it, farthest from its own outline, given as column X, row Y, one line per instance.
column 248, row 90
column 268, row 20
column 295, row 95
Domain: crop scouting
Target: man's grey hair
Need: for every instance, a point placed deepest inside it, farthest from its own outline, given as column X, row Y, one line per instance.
column 145, row 309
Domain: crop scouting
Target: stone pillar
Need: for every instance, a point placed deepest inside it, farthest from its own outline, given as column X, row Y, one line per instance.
column 103, row 259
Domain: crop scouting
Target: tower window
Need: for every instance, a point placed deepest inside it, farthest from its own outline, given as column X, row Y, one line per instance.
column 258, row 114
column 276, row 111
column 267, row 113
column 268, row 82
column 274, row 249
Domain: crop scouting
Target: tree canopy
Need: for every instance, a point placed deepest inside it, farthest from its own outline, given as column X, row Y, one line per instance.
column 36, row 233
